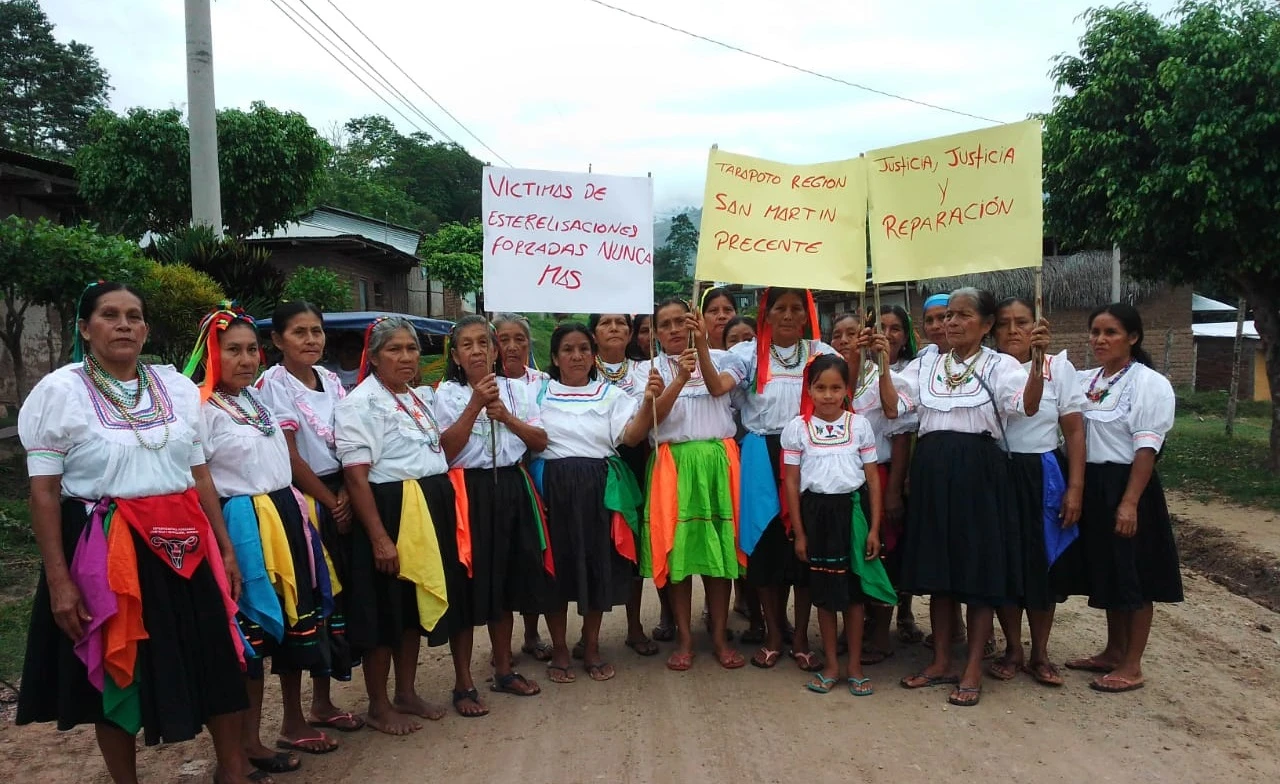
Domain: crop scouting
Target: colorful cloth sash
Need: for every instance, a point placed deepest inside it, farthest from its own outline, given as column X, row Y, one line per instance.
column 181, row 540
column 623, row 498
column 89, row 573
column 462, row 506
column 875, row 581
column 277, row 556
column 664, row 507
column 462, row 516
column 419, row 552
column 1056, row 538
column 759, row 501
column 313, row 514
column 258, row 600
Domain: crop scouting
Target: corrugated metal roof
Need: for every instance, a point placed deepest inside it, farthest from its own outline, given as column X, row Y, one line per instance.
column 1201, row 304
column 324, row 222
column 1224, row 329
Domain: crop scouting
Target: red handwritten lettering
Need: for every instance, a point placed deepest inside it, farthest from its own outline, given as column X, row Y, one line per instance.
column 978, row 157
column 593, row 192
column 784, row 214
column 819, row 181
column 749, row 175
column 563, row 277
column 743, row 244
column 502, row 186
column 901, row 164
column 531, row 248
column 906, row 228
column 732, row 206
column 550, row 223
column 618, row 251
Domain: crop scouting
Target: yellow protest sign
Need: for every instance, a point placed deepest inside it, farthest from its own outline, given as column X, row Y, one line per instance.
column 956, row 205
column 772, row 224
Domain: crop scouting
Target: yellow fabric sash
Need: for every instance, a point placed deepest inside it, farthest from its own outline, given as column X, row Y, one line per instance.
column 313, row 510
column 277, row 557
column 419, row 552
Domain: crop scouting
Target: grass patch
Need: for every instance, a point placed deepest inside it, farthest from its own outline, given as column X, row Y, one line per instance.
column 1201, row 461
column 19, row 568
column 15, row 617
column 1214, row 404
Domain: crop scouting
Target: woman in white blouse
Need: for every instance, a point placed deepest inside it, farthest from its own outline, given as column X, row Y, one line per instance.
column 118, row 480
column 491, row 422
column 962, row 538
column 403, row 571
column 593, row 501
column 288, row 590
column 774, row 364
column 1047, row 493
column 1130, row 557
column 303, row 396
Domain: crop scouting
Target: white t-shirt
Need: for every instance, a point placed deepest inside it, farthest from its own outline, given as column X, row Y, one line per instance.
column 967, row 408
column 518, row 396
column 308, row 413
column 831, row 455
column 1062, row 395
column 68, row 428
column 771, row 412
column 697, row 414
column 1136, row 413
column 584, row 421
column 397, row 436
column 242, row 459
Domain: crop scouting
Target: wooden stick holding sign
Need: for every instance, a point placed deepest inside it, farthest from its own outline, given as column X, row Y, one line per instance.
column 1037, row 355
column 882, row 360
column 491, row 360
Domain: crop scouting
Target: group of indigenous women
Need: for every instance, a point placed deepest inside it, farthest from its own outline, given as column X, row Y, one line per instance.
column 194, row 524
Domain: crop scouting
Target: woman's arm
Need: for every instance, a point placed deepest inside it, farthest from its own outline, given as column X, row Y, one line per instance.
column 213, row 510
column 534, row 437
column 306, row 480
column 791, row 489
column 1144, row 463
column 46, row 522
column 642, row 421
column 1073, row 432
column 455, row 437
column 717, row 383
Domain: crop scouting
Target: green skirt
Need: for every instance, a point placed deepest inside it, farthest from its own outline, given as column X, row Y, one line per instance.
column 703, row 535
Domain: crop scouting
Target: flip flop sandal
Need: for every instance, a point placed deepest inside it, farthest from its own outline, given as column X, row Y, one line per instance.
column 504, row 684
column 1125, row 685
column 680, row 662
column 731, row 660
column 342, row 722
column 1089, row 664
column 861, row 687
column 872, row 658
column 929, row 680
column 474, row 696
column 663, row 633
column 296, row 745
column 1004, row 670
column 600, row 671
column 564, row 675
column 768, row 661
column 645, row 647
column 540, row 651
column 809, row 661
column 276, row 763
column 954, row 697
column 1044, row 674
column 820, row 684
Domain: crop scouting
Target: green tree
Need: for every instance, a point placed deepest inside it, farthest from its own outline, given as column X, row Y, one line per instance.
column 135, row 173
column 47, row 264
column 1165, row 138
column 683, row 240
column 243, row 271
column 48, row 89
column 321, row 287
column 673, row 262
column 452, row 256
column 178, row 298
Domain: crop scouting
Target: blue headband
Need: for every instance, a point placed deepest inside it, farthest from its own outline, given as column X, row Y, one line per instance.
column 937, row 300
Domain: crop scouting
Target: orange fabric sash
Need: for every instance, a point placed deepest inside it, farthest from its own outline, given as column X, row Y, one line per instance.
column 462, row 511
column 123, row 630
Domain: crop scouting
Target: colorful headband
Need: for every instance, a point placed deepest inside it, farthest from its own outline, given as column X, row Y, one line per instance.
column 936, row 300
column 77, row 343
column 206, row 347
column 364, row 349
column 764, row 336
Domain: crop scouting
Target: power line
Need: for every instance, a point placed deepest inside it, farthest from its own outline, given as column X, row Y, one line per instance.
column 799, row 68
column 415, row 84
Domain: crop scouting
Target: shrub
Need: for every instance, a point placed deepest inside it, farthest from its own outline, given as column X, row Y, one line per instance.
column 321, row 287
column 178, row 297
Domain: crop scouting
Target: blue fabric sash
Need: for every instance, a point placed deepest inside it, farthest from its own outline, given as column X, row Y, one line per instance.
column 258, row 600
column 1056, row 538
column 758, row 502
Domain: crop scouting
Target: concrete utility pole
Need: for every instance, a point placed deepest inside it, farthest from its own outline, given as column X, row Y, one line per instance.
column 1115, row 273
column 206, row 190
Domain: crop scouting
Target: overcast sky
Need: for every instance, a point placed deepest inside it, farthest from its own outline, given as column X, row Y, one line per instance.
column 560, row 84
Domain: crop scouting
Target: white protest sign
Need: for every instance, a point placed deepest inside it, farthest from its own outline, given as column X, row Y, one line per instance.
column 561, row 242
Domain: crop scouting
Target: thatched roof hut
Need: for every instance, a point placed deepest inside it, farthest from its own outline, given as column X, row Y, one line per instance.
column 1078, row 282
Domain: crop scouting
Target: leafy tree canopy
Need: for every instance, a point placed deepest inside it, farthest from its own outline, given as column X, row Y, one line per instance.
column 321, row 287
column 452, row 256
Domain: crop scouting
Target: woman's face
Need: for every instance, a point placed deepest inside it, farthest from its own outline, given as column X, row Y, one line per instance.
column 574, row 358
column 717, row 313
column 1013, row 330
column 739, row 333
column 896, row 331
column 612, row 333
column 396, row 363
column 844, row 338
column 787, row 318
column 239, row 355
column 1112, row 344
column 513, row 346
column 302, row 342
column 965, row 327
column 672, row 333
column 116, row 329
column 644, row 331
column 472, row 351
column 935, row 326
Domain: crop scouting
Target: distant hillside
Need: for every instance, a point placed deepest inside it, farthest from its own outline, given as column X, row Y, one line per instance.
column 662, row 225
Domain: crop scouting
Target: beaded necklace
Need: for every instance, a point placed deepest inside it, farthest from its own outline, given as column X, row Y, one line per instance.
column 950, row 377
column 792, row 362
column 416, row 416
column 1097, row 395
column 613, row 376
column 259, row 419
column 116, row 393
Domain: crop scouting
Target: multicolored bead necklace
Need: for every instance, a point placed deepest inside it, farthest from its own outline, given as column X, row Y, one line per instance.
column 795, row 360
column 950, row 377
column 420, row 412
column 613, row 376
column 259, row 419
column 1096, row 394
column 117, row 394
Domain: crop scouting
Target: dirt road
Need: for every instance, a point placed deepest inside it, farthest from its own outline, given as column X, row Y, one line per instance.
column 1209, row 713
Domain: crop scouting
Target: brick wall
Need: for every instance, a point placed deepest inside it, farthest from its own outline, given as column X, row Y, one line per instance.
column 1213, row 365
column 387, row 277
column 41, row 350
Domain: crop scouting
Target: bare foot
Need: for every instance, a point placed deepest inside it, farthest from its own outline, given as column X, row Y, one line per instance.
column 413, row 705
column 309, row 740
column 333, row 717
column 391, row 721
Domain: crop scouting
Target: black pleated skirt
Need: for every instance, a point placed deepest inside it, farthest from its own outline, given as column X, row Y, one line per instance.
column 1126, row 574
column 382, row 607
column 1043, row 585
column 773, row 563
column 963, row 539
column 828, row 531
column 187, row 670
column 589, row 569
column 342, row 659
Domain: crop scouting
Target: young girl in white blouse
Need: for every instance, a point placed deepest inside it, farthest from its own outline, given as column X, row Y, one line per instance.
column 829, row 458
column 491, row 422
column 403, row 569
column 288, row 591
column 302, row 396
column 1130, row 557
column 593, row 501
